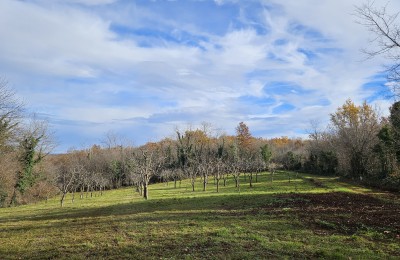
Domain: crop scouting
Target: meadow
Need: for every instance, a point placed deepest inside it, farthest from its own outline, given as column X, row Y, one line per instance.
column 309, row 217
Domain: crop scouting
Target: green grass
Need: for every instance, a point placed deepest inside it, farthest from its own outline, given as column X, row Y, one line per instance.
column 181, row 224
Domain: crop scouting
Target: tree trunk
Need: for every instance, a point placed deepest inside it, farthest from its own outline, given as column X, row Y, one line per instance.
column 87, row 191
column 145, row 191
column 251, row 180
column 62, row 199
column 13, row 200
column 217, row 185
column 82, row 191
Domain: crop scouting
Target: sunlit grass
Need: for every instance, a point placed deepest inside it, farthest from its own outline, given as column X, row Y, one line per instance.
column 181, row 224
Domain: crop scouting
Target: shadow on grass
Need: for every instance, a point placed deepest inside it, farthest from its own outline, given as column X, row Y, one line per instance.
column 234, row 226
column 362, row 208
column 200, row 228
column 198, row 204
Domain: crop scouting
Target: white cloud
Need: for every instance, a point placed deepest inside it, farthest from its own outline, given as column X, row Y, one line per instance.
column 83, row 2
column 176, row 83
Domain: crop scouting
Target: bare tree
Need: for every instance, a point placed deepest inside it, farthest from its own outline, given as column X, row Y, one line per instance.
column 234, row 162
column 385, row 30
column 68, row 168
column 189, row 148
column 149, row 161
column 272, row 168
column 10, row 114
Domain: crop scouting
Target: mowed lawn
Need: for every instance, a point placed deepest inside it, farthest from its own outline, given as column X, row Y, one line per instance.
column 310, row 217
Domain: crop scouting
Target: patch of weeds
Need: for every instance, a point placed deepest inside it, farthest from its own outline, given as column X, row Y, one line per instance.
column 223, row 232
column 325, row 224
column 256, row 237
column 355, row 238
column 375, row 235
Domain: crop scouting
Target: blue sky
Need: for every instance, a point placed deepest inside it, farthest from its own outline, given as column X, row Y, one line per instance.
column 143, row 68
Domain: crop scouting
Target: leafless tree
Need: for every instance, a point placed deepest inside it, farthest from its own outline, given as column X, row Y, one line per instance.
column 10, row 114
column 385, row 32
column 149, row 161
column 67, row 168
column 187, row 152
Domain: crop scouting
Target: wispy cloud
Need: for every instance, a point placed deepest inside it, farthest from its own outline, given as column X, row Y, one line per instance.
column 142, row 68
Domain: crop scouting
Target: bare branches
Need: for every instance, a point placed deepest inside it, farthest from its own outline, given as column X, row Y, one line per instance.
column 10, row 112
column 385, row 29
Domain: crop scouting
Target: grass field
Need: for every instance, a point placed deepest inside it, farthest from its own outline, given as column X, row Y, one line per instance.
column 310, row 217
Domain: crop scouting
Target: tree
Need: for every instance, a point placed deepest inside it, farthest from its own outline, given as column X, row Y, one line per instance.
column 149, row 160
column 171, row 164
column 35, row 143
column 266, row 154
column 68, row 168
column 10, row 114
column 355, row 130
column 386, row 35
column 243, row 136
column 388, row 150
column 394, row 120
column 187, row 151
column 8, row 165
column 233, row 160
column 322, row 158
column 385, row 29
column 245, row 145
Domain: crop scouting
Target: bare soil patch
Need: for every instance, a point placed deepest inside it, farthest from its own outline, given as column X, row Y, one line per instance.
column 342, row 212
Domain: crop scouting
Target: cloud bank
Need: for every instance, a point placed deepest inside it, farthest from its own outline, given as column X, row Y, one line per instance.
column 142, row 68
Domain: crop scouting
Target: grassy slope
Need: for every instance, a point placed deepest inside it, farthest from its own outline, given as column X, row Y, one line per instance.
column 178, row 223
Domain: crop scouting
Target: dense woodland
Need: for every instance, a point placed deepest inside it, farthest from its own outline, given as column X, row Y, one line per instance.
column 357, row 145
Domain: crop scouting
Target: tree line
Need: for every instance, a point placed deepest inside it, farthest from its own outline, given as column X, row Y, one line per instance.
column 194, row 154
column 360, row 145
column 357, row 144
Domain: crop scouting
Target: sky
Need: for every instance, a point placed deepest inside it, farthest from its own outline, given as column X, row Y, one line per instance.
column 141, row 69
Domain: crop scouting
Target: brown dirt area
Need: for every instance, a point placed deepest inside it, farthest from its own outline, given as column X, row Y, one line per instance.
column 342, row 212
